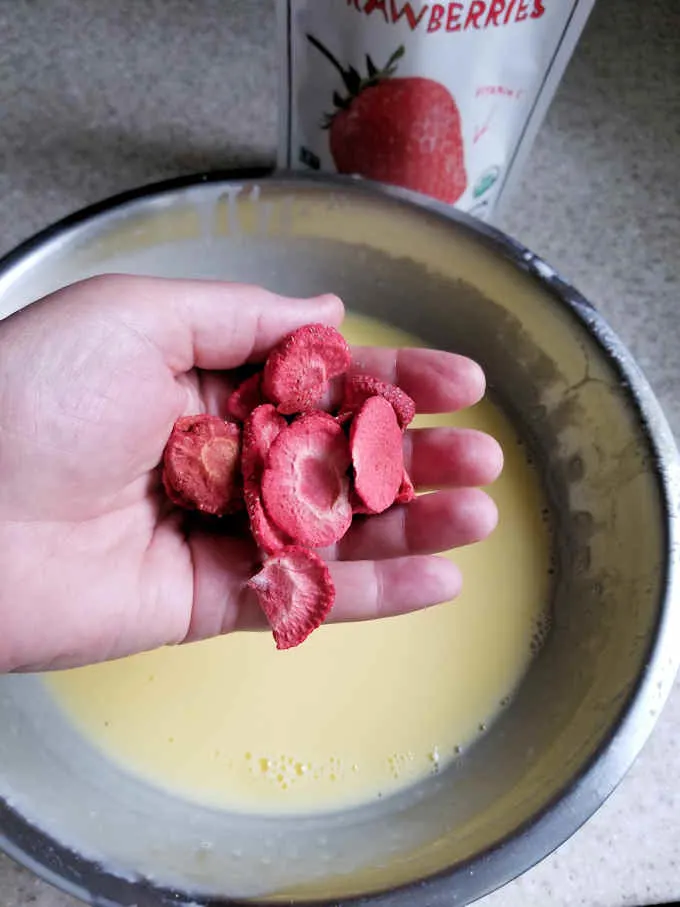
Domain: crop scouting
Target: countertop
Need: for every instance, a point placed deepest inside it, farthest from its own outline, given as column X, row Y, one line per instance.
column 96, row 98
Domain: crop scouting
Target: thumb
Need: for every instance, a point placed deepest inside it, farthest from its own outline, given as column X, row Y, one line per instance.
column 202, row 323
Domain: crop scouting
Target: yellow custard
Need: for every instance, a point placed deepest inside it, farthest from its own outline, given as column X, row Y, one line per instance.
column 358, row 711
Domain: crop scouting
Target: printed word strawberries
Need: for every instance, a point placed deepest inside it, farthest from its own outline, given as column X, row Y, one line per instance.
column 402, row 131
column 451, row 17
column 302, row 472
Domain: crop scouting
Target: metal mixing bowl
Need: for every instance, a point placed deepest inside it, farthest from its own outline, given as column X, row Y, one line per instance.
column 590, row 698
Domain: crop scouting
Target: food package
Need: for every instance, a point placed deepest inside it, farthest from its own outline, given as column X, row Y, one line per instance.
column 441, row 98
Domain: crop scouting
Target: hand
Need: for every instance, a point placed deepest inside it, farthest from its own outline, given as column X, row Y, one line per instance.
column 93, row 564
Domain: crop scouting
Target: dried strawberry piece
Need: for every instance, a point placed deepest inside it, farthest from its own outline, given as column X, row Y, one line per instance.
column 296, row 593
column 344, row 417
column 298, row 370
column 246, row 397
column 267, row 535
column 259, row 433
column 358, row 506
column 201, row 464
column 305, row 486
column 262, row 428
column 358, row 388
column 407, row 492
column 377, row 454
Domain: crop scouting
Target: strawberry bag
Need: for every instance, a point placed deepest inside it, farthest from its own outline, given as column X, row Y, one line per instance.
column 441, row 98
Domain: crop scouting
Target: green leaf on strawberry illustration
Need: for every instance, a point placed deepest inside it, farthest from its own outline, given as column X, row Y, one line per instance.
column 352, row 79
column 339, row 101
column 391, row 66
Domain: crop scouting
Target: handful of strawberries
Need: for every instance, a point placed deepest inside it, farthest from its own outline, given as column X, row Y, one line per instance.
column 301, row 472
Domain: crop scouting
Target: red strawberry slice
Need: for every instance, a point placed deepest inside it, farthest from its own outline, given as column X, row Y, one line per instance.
column 268, row 537
column 246, row 397
column 403, row 131
column 358, row 506
column 298, row 370
column 262, row 428
column 296, row 593
column 259, row 433
column 377, row 454
column 358, row 388
column 407, row 492
column 201, row 465
column 305, row 486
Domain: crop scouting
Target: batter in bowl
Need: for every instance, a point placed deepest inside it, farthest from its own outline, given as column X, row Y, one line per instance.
column 359, row 711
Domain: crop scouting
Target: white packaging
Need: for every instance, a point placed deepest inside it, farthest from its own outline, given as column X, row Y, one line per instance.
column 459, row 92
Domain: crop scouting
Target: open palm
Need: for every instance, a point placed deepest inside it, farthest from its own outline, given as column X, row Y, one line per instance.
column 94, row 564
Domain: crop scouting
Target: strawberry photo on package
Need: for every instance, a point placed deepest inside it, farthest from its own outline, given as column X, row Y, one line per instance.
column 403, row 131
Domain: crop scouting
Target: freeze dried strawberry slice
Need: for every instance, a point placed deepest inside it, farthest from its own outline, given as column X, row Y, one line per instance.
column 305, row 486
column 201, row 464
column 358, row 388
column 358, row 506
column 262, row 428
column 298, row 370
column 246, row 397
column 296, row 593
column 267, row 535
column 407, row 492
column 260, row 431
column 377, row 454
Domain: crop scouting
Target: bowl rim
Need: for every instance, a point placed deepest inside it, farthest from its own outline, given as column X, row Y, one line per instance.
column 581, row 796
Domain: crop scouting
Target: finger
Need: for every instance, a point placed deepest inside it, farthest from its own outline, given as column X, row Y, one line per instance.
column 439, row 382
column 430, row 524
column 229, row 324
column 202, row 323
column 366, row 590
column 221, row 600
column 207, row 392
column 451, row 457
column 215, row 389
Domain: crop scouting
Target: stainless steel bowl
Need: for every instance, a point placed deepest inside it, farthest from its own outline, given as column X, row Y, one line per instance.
column 591, row 697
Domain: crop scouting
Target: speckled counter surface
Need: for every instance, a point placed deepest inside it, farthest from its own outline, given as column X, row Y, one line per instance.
column 96, row 98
